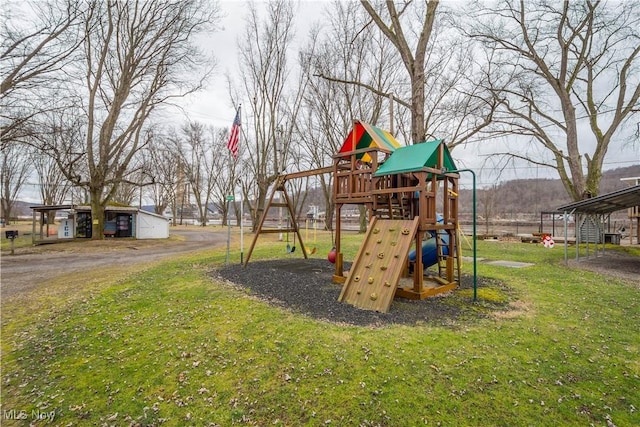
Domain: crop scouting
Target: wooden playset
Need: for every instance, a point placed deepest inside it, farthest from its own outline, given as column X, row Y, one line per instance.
column 402, row 189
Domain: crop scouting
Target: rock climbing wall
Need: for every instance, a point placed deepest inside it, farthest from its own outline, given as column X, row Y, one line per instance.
column 372, row 281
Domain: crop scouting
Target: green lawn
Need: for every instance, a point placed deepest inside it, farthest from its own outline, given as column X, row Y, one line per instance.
column 167, row 345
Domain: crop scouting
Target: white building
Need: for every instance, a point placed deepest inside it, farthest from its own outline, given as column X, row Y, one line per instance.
column 76, row 223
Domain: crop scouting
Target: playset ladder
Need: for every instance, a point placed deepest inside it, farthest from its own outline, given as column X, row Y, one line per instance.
column 444, row 269
column 392, row 207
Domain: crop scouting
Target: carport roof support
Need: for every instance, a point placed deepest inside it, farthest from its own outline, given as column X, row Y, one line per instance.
column 606, row 203
column 602, row 205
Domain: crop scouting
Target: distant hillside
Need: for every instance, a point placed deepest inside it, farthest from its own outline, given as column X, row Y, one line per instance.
column 22, row 209
column 532, row 196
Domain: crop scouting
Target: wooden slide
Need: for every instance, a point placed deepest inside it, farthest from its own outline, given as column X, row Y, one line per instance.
column 372, row 281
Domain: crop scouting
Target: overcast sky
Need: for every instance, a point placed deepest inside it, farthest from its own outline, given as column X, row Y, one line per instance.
column 213, row 106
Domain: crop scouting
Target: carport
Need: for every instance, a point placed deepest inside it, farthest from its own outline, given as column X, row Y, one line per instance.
column 592, row 214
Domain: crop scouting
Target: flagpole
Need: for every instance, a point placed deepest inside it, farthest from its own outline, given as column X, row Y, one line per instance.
column 229, row 211
column 232, row 145
column 229, row 215
column 241, row 201
column 241, row 227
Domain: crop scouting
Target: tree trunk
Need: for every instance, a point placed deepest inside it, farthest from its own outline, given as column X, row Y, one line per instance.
column 260, row 207
column 417, row 106
column 97, row 215
column 330, row 207
column 363, row 218
column 225, row 213
column 236, row 211
column 7, row 207
column 575, row 188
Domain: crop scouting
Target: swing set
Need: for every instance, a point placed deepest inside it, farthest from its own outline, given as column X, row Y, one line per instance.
column 284, row 201
column 290, row 249
column 315, row 232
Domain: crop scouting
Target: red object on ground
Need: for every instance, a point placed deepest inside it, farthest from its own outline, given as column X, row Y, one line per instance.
column 332, row 256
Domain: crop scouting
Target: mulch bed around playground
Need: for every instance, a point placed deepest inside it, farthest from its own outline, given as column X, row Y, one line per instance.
column 305, row 286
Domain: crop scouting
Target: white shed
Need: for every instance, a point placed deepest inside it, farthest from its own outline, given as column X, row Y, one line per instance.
column 151, row 226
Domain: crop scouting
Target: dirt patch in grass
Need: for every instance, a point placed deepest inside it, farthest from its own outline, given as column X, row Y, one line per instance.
column 516, row 309
column 614, row 264
column 305, row 286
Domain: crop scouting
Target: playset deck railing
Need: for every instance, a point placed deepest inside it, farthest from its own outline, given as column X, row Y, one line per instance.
column 353, row 177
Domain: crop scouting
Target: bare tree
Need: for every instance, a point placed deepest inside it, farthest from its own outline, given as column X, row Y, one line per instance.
column 54, row 186
column 273, row 108
column 413, row 60
column 137, row 57
column 15, row 171
column 487, row 204
column 330, row 108
column 436, row 60
column 223, row 168
column 566, row 69
column 58, row 141
column 196, row 154
column 34, row 52
column 163, row 167
column 31, row 54
column 125, row 194
column 130, row 190
column 457, row 106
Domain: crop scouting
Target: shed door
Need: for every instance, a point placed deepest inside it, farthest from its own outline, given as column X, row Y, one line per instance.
column 145, row 225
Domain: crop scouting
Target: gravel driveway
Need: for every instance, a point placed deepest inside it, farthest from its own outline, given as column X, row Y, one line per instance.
column 26, row 271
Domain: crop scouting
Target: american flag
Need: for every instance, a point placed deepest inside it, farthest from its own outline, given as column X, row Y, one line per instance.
column 234, row 138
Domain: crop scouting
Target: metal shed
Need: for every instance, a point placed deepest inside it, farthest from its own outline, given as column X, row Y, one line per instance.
column 597, row 210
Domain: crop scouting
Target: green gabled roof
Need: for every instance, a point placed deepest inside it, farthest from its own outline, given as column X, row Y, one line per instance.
column 415, row 157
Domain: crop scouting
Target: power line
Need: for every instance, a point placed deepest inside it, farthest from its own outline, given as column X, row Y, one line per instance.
column 532, row 167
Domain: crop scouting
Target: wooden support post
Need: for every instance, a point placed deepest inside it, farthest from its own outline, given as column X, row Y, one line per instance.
column 445, row 198
column 33, row 229
column 450, row 269
column 418, row 273
column 339, row 272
